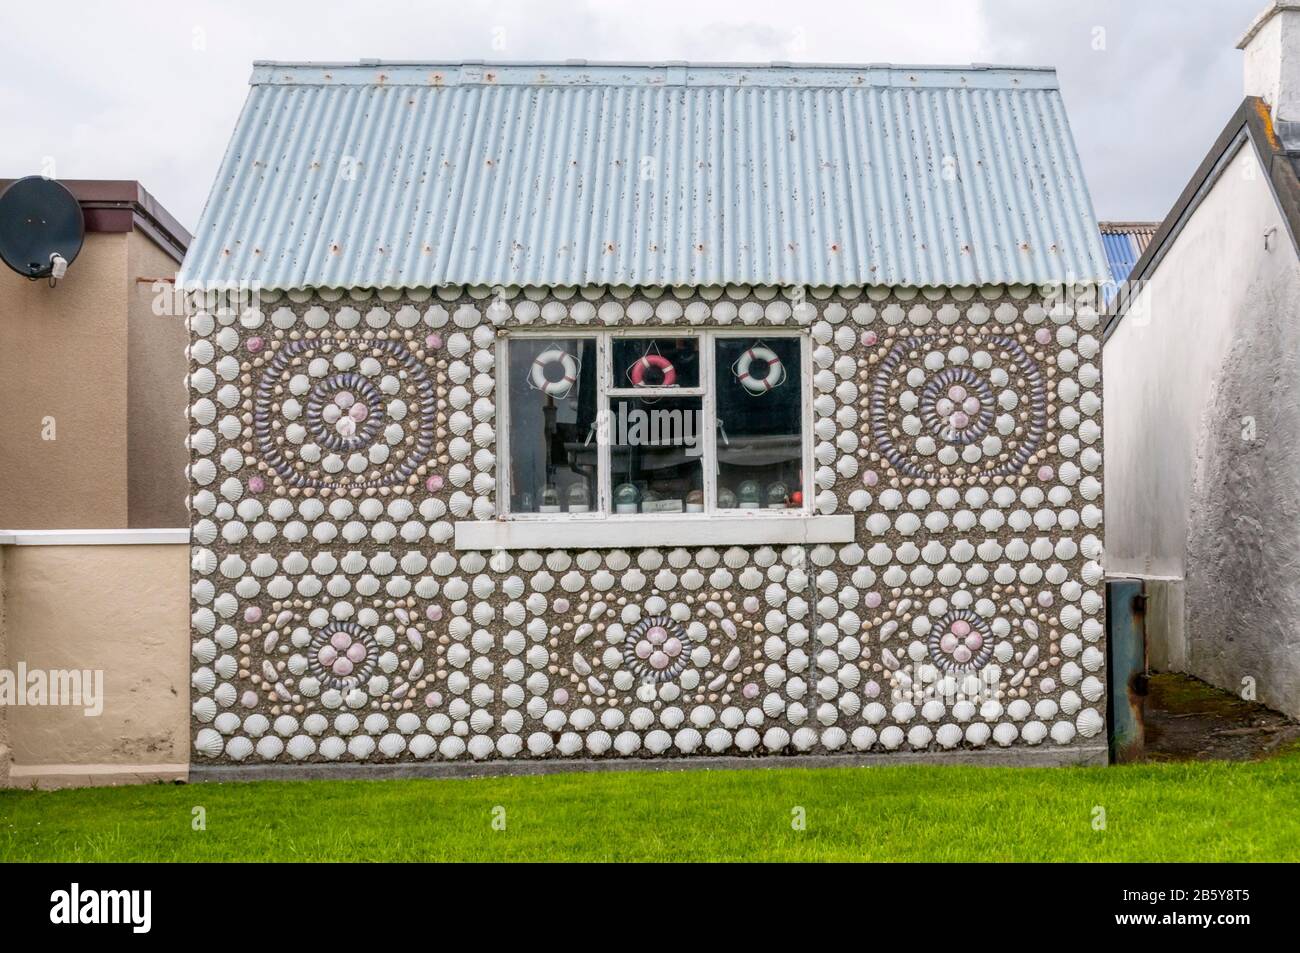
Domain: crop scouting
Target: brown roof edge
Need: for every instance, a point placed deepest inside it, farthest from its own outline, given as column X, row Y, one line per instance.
column 1252, row 118
column 123, row 205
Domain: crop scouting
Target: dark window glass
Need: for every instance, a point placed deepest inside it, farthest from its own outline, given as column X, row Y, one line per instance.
column 655, row 455
column 656, row 362
column 553, row 399
column 759, row 405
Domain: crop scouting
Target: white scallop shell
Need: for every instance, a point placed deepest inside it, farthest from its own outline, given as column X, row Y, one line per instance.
column 459, row 423
column 458, row 345
column 1089, row 722
column 650, row 559
column 735, row 557
column 208, row 742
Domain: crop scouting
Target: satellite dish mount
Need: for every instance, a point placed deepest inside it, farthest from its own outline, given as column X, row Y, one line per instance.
column 41, row 228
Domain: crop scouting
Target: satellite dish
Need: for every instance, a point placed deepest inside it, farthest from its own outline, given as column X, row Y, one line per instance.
column 41, row 227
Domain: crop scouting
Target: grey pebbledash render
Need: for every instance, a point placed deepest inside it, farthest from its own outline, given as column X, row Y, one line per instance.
column 423, row 543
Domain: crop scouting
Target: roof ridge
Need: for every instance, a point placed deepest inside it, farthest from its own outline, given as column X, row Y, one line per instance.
column 581, row 73
column 367, row 62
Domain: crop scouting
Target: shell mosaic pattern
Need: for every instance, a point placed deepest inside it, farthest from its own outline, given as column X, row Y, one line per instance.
column 334, row 442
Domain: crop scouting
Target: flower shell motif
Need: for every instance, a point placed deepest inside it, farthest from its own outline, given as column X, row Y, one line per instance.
column 323, row 421
column 961, row 641
column 983, row 413
column 657, row 649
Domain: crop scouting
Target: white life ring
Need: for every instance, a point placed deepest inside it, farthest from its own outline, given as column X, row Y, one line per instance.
column 775, row 369
column 557, row 388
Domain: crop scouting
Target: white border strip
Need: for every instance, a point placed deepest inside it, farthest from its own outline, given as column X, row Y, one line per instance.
column 633, row 533
column 94, row 537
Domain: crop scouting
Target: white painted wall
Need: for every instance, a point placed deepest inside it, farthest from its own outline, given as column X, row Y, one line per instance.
column 1214, row 338
column 1271, row 65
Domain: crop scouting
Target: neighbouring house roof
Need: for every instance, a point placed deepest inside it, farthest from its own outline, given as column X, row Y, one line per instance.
column 1278, row 148
column 391, row 175
column 1124, row 243
column 122, row 205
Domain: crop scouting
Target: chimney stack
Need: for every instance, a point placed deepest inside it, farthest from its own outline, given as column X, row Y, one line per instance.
column 1272, row 61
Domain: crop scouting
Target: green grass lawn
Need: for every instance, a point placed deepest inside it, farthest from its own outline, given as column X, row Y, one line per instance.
column 1155, row 812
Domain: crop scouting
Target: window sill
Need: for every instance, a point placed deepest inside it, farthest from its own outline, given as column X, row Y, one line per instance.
column 638, row 532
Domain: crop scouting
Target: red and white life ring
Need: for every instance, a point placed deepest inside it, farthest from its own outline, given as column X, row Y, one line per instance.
column 660, row 363
column 775, row 370
column 568, row 364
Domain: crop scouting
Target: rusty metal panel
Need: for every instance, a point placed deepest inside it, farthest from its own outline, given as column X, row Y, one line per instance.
column 413, row 175
column 1126, row 654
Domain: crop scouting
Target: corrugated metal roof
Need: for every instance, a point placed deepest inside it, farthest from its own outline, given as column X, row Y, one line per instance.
column 409, row 175
column 1124, row 243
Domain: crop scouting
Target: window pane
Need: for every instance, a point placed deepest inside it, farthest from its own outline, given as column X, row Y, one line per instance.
column 760, row 413
column 552, row 409
column 656, row 362
column 655, row 448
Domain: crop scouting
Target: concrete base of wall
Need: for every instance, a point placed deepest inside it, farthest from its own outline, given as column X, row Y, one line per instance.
column 47, row 777
column 1165, row 631
column 1003, row 757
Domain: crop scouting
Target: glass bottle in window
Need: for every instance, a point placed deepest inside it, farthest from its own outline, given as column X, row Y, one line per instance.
column 626, row 498
column 579, row 497
column 777, row 495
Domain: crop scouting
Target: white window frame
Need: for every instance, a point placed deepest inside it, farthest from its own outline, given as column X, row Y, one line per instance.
column 605, row 529
column 608, row 390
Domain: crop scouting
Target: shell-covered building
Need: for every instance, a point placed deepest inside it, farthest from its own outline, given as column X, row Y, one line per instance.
column 611, row 412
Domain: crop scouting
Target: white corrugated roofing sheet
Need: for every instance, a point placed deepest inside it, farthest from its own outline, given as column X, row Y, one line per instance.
column 412, row 175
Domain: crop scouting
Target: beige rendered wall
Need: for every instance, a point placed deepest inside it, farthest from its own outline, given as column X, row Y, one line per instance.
column 121, row 609
column 6, row 753
column 156, row 395
column 63, row 354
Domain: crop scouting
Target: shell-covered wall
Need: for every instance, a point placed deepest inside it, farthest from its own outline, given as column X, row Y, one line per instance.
column 334, row 620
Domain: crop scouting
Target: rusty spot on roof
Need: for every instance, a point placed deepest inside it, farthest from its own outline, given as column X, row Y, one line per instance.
column 1266, row 117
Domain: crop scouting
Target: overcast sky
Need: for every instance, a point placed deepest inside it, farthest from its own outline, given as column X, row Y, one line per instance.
column 150, row 90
